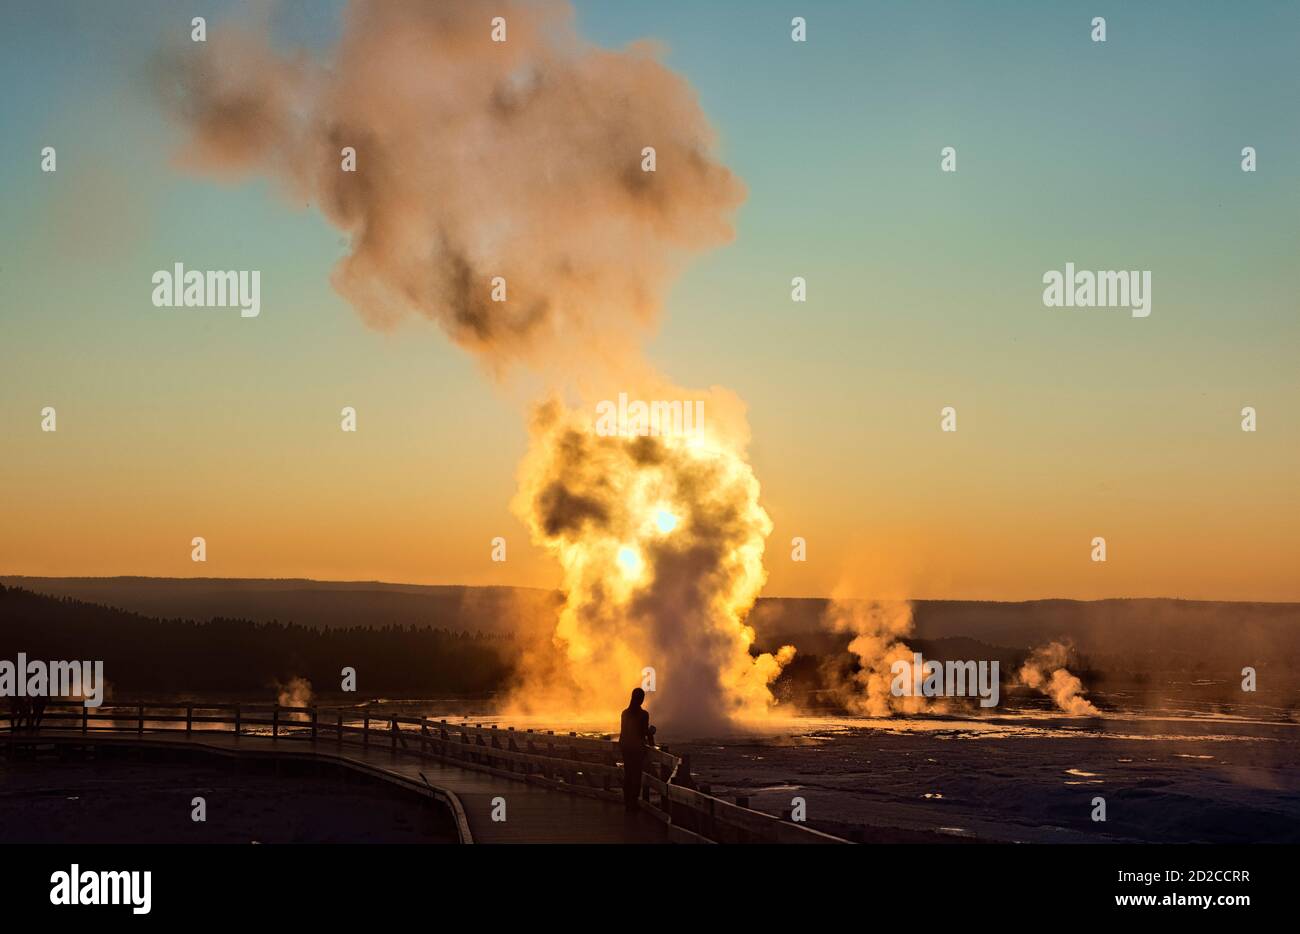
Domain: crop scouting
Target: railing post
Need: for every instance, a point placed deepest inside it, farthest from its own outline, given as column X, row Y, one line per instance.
column 85, row 718
column 313, row 722
column 140, row 728
column 683, row 776
column 514, row 747
column 365, row 730
column 339, row 728
column 394, row 736
column 236, row 720
column 189, row 720
column 275, row 721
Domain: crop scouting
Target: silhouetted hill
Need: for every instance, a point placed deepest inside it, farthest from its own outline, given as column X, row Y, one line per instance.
column 1118, row 634
column 142, row 654
column 329, row 604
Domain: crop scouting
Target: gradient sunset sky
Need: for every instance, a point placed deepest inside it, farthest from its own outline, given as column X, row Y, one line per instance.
column 925, row 290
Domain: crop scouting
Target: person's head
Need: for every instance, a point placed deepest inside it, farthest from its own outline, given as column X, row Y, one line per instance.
column 638, row 697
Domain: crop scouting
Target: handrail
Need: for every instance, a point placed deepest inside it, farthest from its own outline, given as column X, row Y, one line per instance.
column 571, row 763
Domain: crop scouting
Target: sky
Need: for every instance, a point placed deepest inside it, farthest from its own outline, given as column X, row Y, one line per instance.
column 924, row 291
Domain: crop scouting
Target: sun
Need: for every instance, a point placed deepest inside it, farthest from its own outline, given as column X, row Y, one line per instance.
column 629, row 559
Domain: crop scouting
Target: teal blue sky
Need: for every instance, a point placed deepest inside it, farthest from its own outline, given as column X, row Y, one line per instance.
column 924, row 291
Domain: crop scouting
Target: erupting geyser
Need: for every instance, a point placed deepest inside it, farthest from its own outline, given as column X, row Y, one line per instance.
column 499, row 190
column 661, row 541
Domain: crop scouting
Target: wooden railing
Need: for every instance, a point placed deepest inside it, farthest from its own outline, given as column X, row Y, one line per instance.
column 572, row 763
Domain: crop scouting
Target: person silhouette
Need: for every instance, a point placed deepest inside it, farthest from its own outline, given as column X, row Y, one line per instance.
column 634, row 737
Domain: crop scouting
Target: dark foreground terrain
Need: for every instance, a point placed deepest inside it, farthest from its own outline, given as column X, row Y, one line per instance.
column 48, row 801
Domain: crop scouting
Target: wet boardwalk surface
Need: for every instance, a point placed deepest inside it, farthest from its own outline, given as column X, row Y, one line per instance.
column 534, row 814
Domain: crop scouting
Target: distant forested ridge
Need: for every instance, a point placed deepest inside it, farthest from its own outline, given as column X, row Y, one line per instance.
column 406, row 640
column 144, row 655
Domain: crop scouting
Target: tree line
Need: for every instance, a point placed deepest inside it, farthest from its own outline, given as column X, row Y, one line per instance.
column 145, row 655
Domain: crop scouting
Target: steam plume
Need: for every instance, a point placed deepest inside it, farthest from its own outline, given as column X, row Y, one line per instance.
column 296, row 693
column 475, row 159
column 1045, row 671
column 661, row 541
column 523, row 160
column 878, row 629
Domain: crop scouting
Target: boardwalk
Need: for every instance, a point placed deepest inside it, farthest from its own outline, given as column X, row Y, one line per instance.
column 533, row 814
column 554, row 788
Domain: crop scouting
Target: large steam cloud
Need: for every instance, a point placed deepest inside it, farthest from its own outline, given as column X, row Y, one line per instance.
column 523, row 160
column 475, row 159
